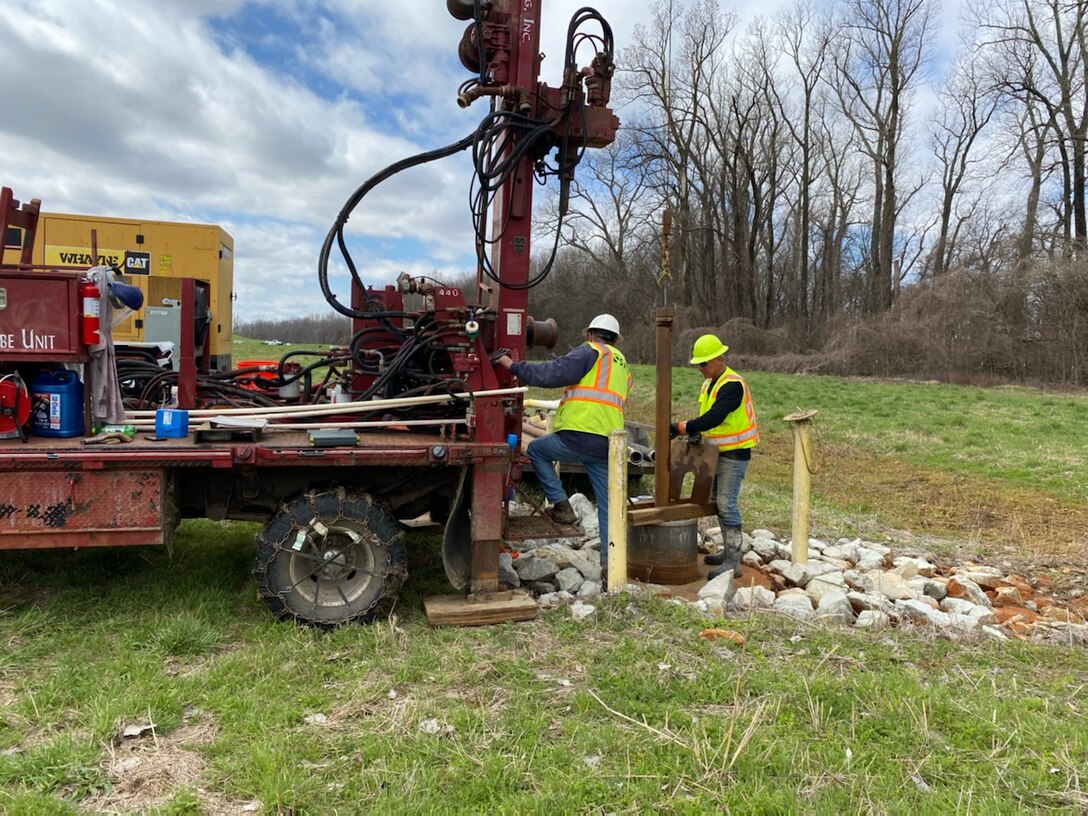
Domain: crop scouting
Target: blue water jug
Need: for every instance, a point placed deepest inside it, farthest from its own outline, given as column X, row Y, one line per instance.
column 57, row 400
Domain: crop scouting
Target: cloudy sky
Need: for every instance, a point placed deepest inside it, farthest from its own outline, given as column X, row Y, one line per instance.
column 262, row 117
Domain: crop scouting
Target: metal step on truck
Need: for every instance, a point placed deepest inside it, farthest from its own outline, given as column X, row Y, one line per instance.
column 327, row 448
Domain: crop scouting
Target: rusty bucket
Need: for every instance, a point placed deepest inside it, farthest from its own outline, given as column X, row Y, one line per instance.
column 664, row 553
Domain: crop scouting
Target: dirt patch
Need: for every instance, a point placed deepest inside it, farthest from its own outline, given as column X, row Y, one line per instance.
column 962, row 517
column 147, row 770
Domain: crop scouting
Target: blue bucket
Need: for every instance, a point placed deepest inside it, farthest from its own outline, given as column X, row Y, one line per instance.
column 57, row 400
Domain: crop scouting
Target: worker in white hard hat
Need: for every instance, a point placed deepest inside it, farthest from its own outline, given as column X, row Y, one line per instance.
column 726, row 419
column 597, row 382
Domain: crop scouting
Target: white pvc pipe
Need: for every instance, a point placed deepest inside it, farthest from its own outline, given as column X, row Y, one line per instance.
column 336, row 407
column 300, row 426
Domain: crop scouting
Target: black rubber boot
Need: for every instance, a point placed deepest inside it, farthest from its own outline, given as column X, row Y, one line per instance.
column 729, row 558
column 561, row 513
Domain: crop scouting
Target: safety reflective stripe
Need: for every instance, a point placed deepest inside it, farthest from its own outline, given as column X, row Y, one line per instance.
column 735, row 439
column 591, row 405
column 746, row 436
column 604, row 372
column 598, row 395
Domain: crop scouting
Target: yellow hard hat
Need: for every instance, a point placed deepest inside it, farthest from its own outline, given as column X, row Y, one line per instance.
column 706, row 348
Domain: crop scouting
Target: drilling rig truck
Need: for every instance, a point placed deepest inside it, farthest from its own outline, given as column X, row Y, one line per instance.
column 327, row 449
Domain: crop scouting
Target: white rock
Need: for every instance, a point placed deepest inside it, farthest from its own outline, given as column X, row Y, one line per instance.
column 720, row 589
column 580, row 610
column 532, row 568
column 569, row 579
column 765, row 534
column 752, row 597
column 827, row 584
column 872, row 619
column 765, row 548
column 589, row 589
column 867, row 563
column 963, row 623
column 877, row 548
column 751, row 559
column 507, row 574
column 869, row 602
column 801, row 574
column 920, row 565
column 713, row 539
column 714, row 607
column 887, row 584
column 587, row 514
column 983, row 614
column 974, row 591
column 983, row 579
column 935, row 589
column 834, row 606
column 837, row 563
column 796, row 606
column 779, row 565
column 846, row 552
column 905, row 569
column 994, row 632
column 919, row 612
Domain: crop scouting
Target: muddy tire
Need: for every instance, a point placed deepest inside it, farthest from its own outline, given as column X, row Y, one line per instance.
column 330, row 557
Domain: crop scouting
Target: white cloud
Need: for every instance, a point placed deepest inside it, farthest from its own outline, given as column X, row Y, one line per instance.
column 150, row 110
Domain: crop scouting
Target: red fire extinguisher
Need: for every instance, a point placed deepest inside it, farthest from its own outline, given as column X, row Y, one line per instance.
column 90, row 293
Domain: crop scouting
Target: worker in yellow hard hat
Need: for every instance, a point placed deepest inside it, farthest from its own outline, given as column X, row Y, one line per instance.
column 728, row 420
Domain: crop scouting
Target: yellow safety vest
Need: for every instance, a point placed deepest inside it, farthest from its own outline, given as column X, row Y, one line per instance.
column 595, row 404
column 738, row 429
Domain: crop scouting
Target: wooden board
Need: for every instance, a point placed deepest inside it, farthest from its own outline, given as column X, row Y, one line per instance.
column 479, row 610
column 699, row 460
column 639, row 516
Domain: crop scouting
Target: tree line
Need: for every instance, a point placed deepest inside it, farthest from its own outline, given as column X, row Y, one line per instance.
column 838, row 196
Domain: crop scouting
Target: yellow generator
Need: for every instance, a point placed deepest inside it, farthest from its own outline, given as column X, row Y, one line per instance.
column 154, row 255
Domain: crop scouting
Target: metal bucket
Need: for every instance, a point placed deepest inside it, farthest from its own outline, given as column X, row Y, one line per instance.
column 664, row 553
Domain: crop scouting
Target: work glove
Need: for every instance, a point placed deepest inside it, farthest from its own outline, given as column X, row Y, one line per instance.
column 674, row 430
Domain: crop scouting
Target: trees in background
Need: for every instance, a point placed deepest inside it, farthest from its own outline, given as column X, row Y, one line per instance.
column 829, row 170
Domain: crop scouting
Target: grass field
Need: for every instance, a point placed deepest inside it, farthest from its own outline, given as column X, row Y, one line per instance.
column 627, row 712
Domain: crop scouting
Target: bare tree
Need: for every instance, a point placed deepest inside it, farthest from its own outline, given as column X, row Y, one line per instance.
column 805, row 37
column 882, row 49
column 966, row 107
column 1045, row 48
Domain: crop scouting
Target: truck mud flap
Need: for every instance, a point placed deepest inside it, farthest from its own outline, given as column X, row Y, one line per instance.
column 457, row 539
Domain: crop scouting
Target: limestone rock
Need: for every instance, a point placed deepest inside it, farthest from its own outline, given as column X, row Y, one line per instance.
column 796, row 606
column 835, row 607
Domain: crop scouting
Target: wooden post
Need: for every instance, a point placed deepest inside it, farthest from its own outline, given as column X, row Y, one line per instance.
column 663, row 405
column 803, row 466
column 615, row 537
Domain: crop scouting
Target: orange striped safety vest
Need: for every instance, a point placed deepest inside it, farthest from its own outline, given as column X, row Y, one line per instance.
column 738, row 429
column 596, row 403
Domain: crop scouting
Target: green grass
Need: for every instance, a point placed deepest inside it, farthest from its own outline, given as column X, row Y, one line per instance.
column 628, row 712
column 1021, row 436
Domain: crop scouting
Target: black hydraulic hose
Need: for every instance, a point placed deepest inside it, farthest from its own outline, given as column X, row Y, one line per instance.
column 337, row 231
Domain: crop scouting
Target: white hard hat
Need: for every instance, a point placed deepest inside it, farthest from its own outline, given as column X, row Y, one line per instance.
column 605, row 322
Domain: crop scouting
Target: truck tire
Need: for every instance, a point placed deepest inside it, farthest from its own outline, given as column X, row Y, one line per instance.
column 330, row 557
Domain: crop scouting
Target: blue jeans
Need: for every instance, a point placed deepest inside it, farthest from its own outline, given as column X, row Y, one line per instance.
column 546, row 450
column 729, row 476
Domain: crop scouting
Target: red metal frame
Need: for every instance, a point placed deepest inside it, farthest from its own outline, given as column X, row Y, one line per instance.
column 24, row 217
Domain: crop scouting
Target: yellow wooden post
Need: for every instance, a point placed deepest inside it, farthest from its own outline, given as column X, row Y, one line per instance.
column 615, row 537
column 803, row 466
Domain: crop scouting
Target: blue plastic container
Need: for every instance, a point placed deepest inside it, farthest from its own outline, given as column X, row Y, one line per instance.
column 170, row 423
column 57, row 400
